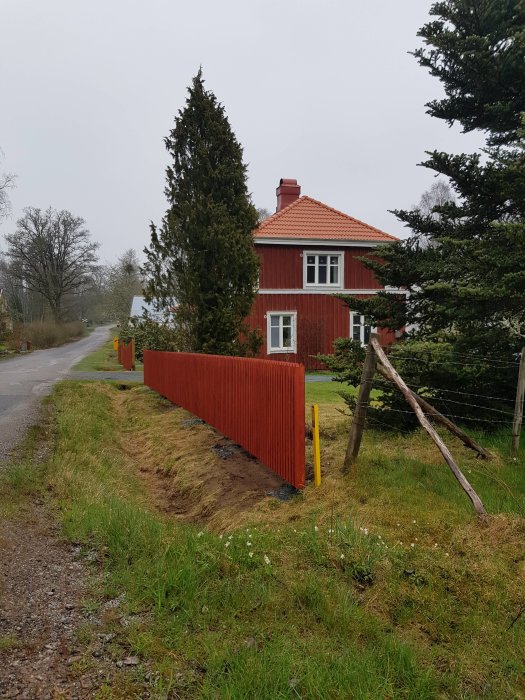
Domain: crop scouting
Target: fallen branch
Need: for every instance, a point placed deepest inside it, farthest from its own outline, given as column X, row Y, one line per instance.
column 394, row 377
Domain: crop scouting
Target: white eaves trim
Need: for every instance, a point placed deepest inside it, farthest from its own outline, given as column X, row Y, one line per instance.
column 317, row 242
column 328, row 292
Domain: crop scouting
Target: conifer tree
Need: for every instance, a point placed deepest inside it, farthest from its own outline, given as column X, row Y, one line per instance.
column 202, row 259
column 468, row 286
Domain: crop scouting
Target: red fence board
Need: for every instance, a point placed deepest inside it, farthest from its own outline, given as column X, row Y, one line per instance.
column 126, row 355
column 257, row 403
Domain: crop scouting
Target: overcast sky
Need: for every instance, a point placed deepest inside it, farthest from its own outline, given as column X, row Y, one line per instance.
column 323, row 91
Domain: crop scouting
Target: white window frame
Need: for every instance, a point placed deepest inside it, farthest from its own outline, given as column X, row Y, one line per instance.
column 324, row 285
column 373, row 329
column 281, row 350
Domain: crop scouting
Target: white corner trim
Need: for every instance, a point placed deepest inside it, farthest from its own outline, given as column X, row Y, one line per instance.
column 281, row 351
column 316, row 242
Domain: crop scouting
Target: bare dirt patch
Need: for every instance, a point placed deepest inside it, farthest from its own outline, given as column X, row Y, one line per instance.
column 191, row 471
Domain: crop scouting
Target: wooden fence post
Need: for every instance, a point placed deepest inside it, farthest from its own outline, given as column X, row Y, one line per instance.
column 363, row 397
column 518, row 407
column 396, row 379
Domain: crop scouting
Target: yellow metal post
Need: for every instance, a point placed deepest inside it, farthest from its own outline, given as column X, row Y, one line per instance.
column 115, row 343
column 315, row 440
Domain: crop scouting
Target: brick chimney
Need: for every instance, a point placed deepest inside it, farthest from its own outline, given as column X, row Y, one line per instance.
column 287, row 192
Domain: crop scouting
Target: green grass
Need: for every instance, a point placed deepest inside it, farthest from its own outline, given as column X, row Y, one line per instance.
column 331, row 392
column 102, row 360
column 379, row 585
column 325, row 392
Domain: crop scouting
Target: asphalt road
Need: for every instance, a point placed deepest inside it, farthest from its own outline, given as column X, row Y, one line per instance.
column 25, row 379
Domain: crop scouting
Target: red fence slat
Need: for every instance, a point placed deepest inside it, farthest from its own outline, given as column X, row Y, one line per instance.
column 126, row 355
column 257, row 403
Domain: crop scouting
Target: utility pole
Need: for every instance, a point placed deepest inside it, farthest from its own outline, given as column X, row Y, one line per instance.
column 518, row 407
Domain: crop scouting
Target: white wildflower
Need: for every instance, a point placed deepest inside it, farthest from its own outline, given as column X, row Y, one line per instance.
column 446, row 554
column 414, row 522
column 250, row 554
column 220, row 537
column 230, row 537
column 200, row 534
column 316, row 528
column 227, row 544
column 342, row 556
column 266, row 560
column 248, row 544
column 412, row 544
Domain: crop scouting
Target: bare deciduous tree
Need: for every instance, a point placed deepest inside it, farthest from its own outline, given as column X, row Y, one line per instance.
column 7, row 182
column 439, row 194
column 52, row 254
column 123, row 282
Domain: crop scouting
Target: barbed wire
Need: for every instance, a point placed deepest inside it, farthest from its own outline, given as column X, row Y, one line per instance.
column 448, row 391
column 432, row 361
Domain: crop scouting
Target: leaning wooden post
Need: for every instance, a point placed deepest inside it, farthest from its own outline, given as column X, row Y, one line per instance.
column 394, row 377
column 363, row 397
column 518, row 407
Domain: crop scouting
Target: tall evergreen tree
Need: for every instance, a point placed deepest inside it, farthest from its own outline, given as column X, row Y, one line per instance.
column 202, row 258
column 468, row 285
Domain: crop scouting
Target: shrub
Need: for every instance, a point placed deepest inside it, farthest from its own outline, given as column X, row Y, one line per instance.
column 46, row 334
column 455, row 380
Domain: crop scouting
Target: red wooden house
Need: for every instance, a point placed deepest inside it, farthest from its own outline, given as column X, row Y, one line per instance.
column 308, row 253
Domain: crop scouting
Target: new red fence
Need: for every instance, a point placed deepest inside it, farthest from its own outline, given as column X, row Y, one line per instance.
column 259, row 404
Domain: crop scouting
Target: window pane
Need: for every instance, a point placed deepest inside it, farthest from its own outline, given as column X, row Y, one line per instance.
column 275, row 321
column 310, row 274
column 367, row 335
column 274, row 338
column 310, row 259
column 334, row 275
column 322, row 271
column 322, row 259
column 287, row 321
column 356, row 327
column 287, row 336
column 334, row 260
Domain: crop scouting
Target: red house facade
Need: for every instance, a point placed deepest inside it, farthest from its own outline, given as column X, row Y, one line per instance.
column 309, row 253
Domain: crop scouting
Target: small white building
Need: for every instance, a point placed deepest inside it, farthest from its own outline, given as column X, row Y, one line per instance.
column 139, row 306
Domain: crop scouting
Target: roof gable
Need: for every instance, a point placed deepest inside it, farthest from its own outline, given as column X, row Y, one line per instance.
column 307, row 218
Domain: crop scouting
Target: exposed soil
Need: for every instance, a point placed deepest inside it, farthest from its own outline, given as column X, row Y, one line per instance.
column 207, row 477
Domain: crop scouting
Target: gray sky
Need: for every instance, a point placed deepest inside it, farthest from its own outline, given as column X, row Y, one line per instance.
column 322, row 91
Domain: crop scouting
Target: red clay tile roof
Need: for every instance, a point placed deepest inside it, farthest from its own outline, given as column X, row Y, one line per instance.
column 306, row 218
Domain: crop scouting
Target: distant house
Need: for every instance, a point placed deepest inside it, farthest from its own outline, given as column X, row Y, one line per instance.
column 308, row 253
column 139, row 306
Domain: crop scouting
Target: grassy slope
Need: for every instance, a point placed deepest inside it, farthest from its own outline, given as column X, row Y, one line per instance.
column 381, row 585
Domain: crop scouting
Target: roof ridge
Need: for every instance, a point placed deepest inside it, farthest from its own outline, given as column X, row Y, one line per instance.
column 347, row 216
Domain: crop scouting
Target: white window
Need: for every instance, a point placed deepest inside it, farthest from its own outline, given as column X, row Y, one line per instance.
column 323, row 269
column 360, row 328
column 281, row 331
